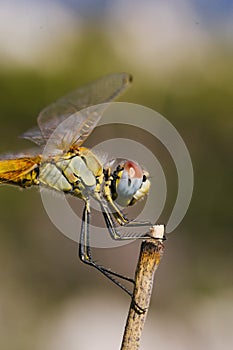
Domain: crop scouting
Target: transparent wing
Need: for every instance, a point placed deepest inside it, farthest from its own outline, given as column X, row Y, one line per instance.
column 34, row 135
column 28, row 153
column 103, row 90
column 73, row 131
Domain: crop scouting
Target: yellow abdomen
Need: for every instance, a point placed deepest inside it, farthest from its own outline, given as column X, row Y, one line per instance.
column 20, row 171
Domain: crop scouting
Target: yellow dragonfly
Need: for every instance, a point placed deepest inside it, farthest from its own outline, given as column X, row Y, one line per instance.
column 63, row 164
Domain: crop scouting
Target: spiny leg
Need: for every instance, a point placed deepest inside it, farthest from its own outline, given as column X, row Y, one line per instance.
column 85, row 256
column 115, row 235
column 123, row 220
column 108, row 217
column 111, row 225
column 85, row 252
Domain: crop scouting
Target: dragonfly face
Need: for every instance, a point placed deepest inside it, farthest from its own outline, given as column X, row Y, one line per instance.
column 63, row 164
column 129, row 182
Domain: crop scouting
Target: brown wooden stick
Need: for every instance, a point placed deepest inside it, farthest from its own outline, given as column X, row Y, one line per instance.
column 150, row 255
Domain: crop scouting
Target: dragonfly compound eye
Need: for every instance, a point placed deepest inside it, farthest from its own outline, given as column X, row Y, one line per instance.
column 128, row 182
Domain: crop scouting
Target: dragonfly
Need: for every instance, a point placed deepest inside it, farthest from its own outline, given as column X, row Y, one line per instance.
column 62, row 163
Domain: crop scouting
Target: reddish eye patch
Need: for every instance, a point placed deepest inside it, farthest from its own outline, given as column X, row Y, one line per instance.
column 133, row 169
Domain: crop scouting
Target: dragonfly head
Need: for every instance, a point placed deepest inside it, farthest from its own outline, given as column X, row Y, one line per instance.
column 129, row 182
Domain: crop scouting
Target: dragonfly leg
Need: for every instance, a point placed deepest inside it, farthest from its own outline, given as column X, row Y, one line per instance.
column 121, row 218
column 108, row 217
column 85, row 256
column 85, row 252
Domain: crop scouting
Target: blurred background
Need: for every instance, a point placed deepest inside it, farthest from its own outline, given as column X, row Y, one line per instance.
column 180, row 54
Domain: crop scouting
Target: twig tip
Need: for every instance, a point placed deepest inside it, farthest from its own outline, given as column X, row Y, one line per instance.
column 157, row 231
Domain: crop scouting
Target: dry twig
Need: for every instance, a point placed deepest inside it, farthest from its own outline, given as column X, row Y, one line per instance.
column 149, row 258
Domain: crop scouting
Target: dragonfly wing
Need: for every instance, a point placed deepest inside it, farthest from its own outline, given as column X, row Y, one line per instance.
column 75, row 104
column 34, row 135
column 73, row 130
column 28, row 153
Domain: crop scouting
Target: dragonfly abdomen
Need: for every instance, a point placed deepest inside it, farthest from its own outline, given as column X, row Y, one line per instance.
column 22, row 172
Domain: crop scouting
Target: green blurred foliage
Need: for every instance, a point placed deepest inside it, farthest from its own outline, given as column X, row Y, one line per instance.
column 39, row 263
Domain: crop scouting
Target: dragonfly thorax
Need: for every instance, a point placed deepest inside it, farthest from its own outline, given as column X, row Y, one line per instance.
column 79, row 173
